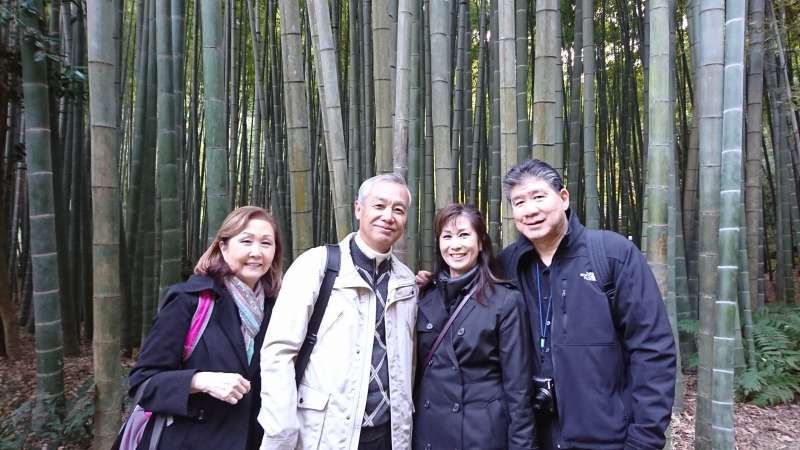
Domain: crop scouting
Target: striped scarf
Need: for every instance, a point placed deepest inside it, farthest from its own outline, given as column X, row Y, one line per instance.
column 251, row 310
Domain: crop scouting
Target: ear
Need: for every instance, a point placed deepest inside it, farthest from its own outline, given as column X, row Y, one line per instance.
column 357, row 208
column 564, row 198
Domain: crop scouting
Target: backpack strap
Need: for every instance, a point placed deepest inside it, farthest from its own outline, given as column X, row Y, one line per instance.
column 332, row 264
column 599, row 260
column 205, row 305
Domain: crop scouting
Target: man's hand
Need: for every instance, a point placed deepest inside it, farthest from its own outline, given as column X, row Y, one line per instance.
column 228, row 387
column 423, row 278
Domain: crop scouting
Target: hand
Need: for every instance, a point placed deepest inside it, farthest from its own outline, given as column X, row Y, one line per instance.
column 423, row 278
column 228, row 387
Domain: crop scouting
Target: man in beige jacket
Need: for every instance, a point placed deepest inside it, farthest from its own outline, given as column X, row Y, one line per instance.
column 356, row 391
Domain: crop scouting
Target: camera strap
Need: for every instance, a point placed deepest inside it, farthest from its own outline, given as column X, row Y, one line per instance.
column 446, row 327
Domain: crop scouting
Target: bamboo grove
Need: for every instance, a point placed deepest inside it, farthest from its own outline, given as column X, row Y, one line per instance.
column 129, row 129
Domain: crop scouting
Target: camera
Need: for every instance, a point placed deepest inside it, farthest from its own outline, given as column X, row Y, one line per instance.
column 544, row 395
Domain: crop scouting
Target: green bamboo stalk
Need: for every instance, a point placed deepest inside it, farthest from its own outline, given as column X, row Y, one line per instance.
column 49, row 405
column 754, row 210
column 382, row 75
column 508, row 106
column 710, row 40
column 148, row 244
column 440, row 97
column 171, row 232
column 545, row 85
column 494, row 157
column 521, row 50
column 573, row 166
column 415, row 135
column 296, row 126
column 216, row 158
column 103, row 116
column 319, row 18
column 426, row 224
column 591, row 199
column 726, row 306
column 661, row 220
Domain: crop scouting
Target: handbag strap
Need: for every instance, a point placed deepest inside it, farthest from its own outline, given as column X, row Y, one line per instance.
column 331, row 272
column 447, row 325
column 205, row 305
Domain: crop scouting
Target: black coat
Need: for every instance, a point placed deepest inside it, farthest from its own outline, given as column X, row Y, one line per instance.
column 199, row 420
column 613, row 360
column 475, row 393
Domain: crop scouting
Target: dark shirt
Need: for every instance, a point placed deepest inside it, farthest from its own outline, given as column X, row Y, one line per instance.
column 377, row 411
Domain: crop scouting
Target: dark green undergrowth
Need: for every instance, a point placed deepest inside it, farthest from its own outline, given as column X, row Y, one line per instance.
column 775, row 376
column 16, row 431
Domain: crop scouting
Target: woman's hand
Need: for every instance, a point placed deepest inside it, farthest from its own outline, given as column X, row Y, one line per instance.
column 228, row 387
column 423, row 278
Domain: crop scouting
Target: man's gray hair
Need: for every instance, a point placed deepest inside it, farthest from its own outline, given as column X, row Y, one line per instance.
column 532, row 168
column 366, row 186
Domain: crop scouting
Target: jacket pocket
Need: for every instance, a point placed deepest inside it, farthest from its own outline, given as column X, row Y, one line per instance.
column 588, row 395
column 498, row 418
column 311, row 407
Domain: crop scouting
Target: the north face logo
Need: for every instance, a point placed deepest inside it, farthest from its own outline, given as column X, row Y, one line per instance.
column 588, row 276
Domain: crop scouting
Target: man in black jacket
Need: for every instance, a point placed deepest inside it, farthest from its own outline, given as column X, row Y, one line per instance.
column 608, row 354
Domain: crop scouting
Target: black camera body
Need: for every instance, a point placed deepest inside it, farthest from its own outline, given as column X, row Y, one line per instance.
column 544, row 395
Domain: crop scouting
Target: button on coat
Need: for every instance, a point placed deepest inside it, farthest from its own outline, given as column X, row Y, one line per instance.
column 475, row 393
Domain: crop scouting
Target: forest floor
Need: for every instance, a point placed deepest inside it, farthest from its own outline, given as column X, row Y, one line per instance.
column 772, row 428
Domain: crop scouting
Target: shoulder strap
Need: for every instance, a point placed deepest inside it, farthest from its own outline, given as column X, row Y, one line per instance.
column 205, row 305
column 599, row 260
column 331, row 272
column 446, row 327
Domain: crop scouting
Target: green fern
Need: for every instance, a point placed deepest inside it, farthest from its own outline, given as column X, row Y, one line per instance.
column 775, row 376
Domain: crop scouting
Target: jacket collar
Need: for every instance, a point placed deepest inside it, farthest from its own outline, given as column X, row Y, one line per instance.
column 350, row 278
column 226, row 312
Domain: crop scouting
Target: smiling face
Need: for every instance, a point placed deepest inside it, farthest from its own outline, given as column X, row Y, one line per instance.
column 249, row 254
column 459, row 246
column 382, row 215
column 538, row 210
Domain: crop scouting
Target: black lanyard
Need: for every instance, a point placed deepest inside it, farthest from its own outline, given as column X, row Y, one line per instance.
column 544, row 319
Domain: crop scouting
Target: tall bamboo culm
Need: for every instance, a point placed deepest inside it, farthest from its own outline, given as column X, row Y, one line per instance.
column 709, row 107
column 49, row 405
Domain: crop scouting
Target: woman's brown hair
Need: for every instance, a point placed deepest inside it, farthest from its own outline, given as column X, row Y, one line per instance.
column 212, row 263
column 487, row 265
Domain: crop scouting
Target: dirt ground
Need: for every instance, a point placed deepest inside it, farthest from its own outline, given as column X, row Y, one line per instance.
column 774, row 428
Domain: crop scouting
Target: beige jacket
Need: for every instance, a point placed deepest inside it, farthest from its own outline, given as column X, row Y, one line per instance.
column 326, row 411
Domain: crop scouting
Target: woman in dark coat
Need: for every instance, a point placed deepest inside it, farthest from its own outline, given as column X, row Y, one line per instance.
column 473, row 389
column 212, row 398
